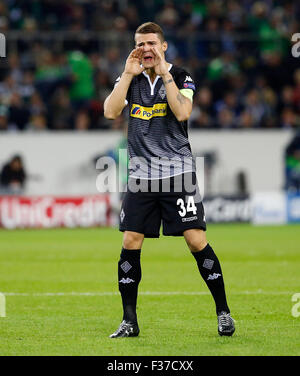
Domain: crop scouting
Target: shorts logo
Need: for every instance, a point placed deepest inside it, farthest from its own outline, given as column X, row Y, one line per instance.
column 122, row 215
column 147, row 113
column 126, row 266
column 189, row 219
column 208, row 264
column 126, row 281
column 214, row 276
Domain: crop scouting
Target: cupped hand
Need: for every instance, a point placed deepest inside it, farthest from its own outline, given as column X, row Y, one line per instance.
column 133, row 63
column 161, row 66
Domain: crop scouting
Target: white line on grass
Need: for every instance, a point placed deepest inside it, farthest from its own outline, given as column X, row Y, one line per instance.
column 154, row 293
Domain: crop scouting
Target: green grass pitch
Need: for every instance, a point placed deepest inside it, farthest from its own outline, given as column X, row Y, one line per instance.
column 261, row 266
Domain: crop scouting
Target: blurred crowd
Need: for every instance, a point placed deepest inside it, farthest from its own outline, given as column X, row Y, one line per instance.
column 64, row 56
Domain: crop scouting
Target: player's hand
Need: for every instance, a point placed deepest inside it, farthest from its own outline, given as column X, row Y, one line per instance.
column 161, row 66
column 133, row 62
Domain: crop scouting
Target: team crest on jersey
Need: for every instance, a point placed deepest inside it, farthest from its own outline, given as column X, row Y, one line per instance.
column 162, row 92
column 147, row 113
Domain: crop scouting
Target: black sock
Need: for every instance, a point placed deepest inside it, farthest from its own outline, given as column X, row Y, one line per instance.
column 129, row 273
column 210, row 270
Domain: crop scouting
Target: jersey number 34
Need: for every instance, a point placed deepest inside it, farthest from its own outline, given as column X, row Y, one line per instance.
column 190, row 206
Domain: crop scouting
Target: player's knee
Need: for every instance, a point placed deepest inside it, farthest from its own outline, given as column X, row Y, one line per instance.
column 196, row 240
column 132, row 240
column 196, row 246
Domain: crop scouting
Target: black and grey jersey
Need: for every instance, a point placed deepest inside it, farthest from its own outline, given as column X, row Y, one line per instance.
column 158, row 144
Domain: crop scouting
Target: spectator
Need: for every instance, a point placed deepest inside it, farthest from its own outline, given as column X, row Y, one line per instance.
column 82, row 89
column 18, row 112
column 246, row 120
column 229, row 102
column 296, row 94
column 168, row 18
column 269, row 98
column 226, row 119
column 289, row 118
column 50, row 74
column 15, row 69
column 36, row 104
column 27, row 89
column 286, row 99
column 203, row 107
column 61, row 111
column 292, row 162
column 255, row 106
column 82, row 121
column 13, row 176
column 113, row 63
column 7, row 88
column 3, row 118
column 202, row 120
column 37, row 123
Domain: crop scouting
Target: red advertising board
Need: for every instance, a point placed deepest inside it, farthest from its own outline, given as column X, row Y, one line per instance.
column 50, row 211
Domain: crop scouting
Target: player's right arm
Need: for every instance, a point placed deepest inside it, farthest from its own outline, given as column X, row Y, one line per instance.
column 116, row 101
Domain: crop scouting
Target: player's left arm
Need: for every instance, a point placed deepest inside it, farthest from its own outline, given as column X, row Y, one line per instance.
column 179, row 100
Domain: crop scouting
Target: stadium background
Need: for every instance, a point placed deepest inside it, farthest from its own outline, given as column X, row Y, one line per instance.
column 62, row 60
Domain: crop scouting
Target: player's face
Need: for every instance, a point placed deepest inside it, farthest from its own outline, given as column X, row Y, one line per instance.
column 146, row 41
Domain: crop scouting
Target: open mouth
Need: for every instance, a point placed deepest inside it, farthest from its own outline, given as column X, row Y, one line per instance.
column 148, row 58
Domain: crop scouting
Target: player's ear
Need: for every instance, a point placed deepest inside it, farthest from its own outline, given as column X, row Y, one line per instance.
column 165, row 46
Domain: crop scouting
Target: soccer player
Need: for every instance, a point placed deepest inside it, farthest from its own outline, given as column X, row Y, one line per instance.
column 160, row 97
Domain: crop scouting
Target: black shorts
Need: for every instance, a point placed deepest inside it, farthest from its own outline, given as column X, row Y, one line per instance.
column 143, row 212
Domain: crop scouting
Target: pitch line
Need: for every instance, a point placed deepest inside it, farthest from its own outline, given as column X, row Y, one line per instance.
column 151, row 293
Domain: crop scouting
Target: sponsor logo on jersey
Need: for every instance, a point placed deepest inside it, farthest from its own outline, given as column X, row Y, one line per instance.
column 136, row 110
column 147, row 113
column 189, row 86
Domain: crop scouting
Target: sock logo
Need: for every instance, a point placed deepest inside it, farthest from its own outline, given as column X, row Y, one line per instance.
column 126, row 266
column 213, row 276
column 208, row 264
column 126, row 281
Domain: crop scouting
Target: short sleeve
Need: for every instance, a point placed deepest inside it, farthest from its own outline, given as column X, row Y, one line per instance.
column 128, row 92
column 185, row 84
